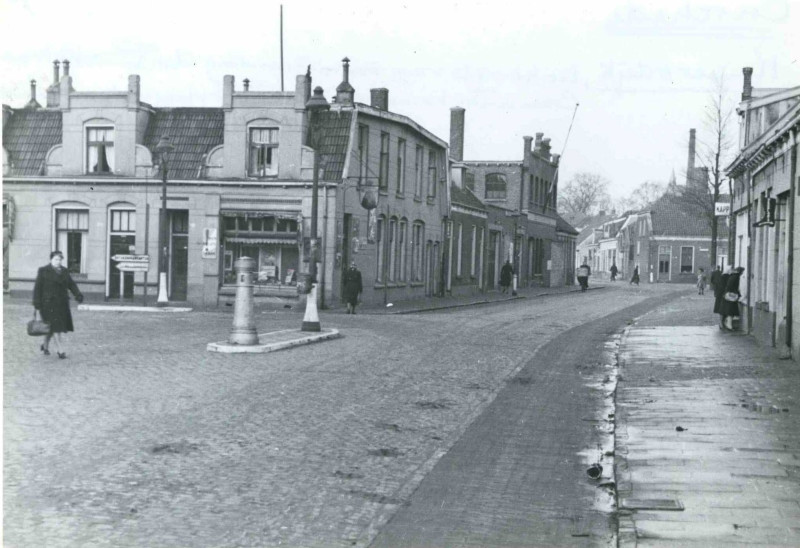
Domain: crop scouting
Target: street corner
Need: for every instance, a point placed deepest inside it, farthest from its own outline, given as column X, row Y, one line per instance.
column 274, row 341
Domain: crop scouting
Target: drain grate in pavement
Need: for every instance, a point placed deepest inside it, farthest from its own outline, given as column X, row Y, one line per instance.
column 653, row 504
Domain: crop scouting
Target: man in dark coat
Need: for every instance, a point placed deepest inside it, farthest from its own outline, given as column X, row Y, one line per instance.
column 719, row 292
column 352, row 287
column 716, row 279
column 614, row 270
column 506, row 274
column 635, row 277
column 51, row 299
column 584, row 271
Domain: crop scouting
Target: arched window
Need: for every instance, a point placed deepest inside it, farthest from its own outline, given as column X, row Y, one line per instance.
column 401, row 249
column 380, row 243
column 496, row 186
column 417, row 237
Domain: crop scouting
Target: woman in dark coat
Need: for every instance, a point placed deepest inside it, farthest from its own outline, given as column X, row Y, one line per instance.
column 635, row 277
column 352, row 287
column 51, row 299
column 729, row 309
column 506, row 274
column 719, row 292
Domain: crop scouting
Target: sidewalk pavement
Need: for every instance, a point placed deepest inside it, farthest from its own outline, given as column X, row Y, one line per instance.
column 707, row 435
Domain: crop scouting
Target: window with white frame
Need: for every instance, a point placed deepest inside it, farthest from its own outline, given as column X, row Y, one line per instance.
column 392, row 245
column 496, row 186
column 473, row 256
column 383, row 173
column 379, row 242
column 401, row 166
column 263, row 152
column 100, row 150
column 72, row 228
column 687, row 259
column 432, row 174
column 401, row 246
column 460, row 247
column 363, row 152
column 418, row 234
column 419, row 159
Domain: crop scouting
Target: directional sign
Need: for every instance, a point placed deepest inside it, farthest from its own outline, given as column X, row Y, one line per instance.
column 133, row 267
column 131, row 258
column 722, row 208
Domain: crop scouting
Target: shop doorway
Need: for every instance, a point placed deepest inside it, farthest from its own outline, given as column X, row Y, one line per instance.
column 178, row 255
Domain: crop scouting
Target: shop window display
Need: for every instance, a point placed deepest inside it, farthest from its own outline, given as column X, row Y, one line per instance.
column 271, row 240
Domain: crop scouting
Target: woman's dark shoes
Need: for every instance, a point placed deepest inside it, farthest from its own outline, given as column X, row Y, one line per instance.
column 44, row 350
column 62, row 355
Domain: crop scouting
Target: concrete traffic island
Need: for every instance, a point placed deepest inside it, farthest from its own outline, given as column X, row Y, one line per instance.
column 131, row 308
column 244, row 339
column 277, row 340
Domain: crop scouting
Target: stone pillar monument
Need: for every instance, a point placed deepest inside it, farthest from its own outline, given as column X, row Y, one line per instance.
column 244, row 327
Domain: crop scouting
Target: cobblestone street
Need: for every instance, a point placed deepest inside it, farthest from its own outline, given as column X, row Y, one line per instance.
column 142, row 438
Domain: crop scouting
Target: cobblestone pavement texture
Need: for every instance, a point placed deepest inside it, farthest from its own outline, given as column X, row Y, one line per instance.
column 517, row 477
column 708, row 418
column 143, row 438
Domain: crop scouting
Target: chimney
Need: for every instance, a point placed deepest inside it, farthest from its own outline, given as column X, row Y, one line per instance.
column 345, row 94
column 227, row 91
column 53, row 89
column 537, row 145
column 134, row 90
column 33, row 103
column 379, row 98
column 302, row 90
column 546, row 148
column 556, row 158
column 66, row 67
column 56, row 77
column 690, row 162
column 246, row 83
column 457, row 134
column 747, row 89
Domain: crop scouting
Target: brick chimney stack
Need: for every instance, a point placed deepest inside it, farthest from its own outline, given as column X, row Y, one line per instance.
column 379, row 98
column 33, row 103
column 747, row 88
column 66, row 67
column 537, row 144
column 690, row 161
column 345, row 93
column 56, row 77
column 546, row 148
column 246, row 83
column 457, row 134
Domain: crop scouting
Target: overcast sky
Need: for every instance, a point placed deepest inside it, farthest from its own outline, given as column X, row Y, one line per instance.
column 641, row 71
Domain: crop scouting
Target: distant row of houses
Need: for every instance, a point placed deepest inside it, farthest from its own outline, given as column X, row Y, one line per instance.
column 669, row 240
column 82, row 175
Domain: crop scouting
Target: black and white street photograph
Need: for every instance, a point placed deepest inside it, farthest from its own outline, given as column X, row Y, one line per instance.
column 311, row 274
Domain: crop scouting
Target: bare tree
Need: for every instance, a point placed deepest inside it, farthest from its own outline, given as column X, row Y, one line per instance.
column 715, row 145
column 644, row 195
column 585, row 194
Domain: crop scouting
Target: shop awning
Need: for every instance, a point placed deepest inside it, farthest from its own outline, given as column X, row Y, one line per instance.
column 250, row 213
column 257, row 240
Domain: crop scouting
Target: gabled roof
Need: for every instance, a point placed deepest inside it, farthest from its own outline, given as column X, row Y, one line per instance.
column 676, row 216
column 193, row 132
column 28, row 135
column 464, row 197
column 335, row 126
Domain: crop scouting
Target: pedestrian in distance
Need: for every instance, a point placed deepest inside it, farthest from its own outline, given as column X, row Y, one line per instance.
column 614, row 271
column 701, row 282
column 719, row 294
column 352, row 287
column 730, row 303
column 51, row 300
column 584, row 271
column 506, row 274
column 635, row 277
column 715, row 279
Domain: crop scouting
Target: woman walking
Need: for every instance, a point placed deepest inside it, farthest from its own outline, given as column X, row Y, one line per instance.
column 635, row 277
column 51, row 299
column 719, row 294
column 730, row 302
column 352, row 287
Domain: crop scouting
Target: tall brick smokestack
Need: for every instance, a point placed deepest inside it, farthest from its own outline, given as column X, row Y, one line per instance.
column 457, row 133
column 747, row 88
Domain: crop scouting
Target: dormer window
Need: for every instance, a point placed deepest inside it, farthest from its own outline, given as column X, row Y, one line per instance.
column 263, row 152
column 100, row 149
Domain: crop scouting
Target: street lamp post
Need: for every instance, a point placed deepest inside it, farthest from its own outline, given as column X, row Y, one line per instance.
column 163, row 148
column 314, row 106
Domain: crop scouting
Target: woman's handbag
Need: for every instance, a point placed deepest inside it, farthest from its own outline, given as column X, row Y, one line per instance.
column 730, row 296
column 37, row 328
